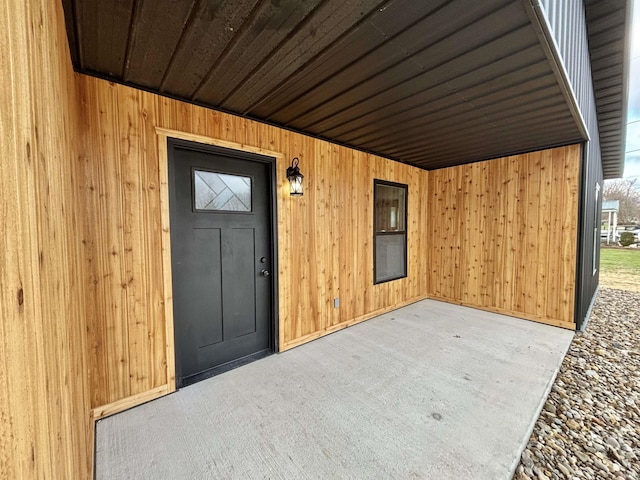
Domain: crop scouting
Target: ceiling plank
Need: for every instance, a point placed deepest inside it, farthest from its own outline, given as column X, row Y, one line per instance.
column 414, row 51
column 105, row 27
column 332, row 20
column 261, row 34
column 152, row 48
column 456, row 78
column 214, row 27
column 383, row 26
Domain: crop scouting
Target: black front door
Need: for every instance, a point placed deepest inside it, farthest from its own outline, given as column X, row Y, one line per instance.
column 221, row 259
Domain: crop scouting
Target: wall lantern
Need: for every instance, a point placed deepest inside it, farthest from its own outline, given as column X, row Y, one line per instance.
column 295, row 177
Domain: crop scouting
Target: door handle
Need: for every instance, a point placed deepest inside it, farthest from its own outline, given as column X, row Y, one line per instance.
column 265, row 273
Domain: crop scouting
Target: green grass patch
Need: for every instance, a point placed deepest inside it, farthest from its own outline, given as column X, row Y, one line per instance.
column 620, row 261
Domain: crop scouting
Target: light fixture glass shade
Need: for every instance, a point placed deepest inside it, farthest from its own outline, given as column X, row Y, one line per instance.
column 295, row 178
column 296, row 185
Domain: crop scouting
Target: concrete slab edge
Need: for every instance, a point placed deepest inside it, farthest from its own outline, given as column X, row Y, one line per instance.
column 543, row 399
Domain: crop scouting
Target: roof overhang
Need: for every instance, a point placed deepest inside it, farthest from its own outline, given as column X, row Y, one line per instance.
column 432, row 84
column 609, row 27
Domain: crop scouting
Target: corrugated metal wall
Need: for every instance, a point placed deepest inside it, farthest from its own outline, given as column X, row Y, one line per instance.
column 567, row 22
column 589, row 225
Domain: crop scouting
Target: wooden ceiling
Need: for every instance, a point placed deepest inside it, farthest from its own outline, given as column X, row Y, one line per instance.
column 430, row 83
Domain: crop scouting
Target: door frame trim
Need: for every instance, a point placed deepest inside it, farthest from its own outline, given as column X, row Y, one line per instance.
column 210, row 144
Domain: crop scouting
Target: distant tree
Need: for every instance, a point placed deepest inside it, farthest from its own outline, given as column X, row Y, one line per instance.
column 627, row 191
column 626, row 239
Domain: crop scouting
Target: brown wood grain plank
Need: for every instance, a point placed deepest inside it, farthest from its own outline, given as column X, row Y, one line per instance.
column 45, row 429
column 571, row 179
column 544, row 248
column 534, row 213
column 511, row 232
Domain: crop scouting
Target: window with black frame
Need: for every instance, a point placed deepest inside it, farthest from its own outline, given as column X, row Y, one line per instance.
column 390, row 231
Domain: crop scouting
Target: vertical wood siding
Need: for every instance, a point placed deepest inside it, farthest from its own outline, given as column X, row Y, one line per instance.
column 324, row 238
column 45, row 429
column 503, row 234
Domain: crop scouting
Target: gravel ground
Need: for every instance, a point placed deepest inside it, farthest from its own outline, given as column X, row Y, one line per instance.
column 590, row 425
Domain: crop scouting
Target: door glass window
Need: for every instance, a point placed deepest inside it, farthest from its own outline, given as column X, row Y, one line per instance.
column 221, row 192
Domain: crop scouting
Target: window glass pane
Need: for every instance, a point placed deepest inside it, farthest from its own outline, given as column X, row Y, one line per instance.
column 390, row 257
column 221, row 191
column 390, row 208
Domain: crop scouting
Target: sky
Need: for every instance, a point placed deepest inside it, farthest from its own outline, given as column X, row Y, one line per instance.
column 632, row 162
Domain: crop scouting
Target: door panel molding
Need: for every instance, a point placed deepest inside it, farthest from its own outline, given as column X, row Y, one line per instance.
column 211, row 145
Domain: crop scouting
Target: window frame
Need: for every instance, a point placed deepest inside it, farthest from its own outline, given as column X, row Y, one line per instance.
column 404, row 232
column 597, row 220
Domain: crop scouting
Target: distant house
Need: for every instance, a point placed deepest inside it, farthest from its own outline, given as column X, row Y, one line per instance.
column 610, row 209
column 451, row 150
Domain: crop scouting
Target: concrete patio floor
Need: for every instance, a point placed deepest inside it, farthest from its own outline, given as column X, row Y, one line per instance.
column 429, row 391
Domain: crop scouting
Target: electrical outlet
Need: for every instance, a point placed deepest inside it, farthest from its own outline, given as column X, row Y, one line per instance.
column 336, row 302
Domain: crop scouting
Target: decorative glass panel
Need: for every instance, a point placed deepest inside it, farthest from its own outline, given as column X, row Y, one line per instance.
column 221, row 191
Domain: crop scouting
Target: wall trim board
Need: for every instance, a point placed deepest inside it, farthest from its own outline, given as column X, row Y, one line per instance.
column 329, row 330
column 217, row 142
column 167, row 281
column 509, row 313
column 129, row 402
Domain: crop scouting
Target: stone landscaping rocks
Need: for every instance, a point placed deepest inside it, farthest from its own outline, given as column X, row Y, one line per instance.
column 589, row 427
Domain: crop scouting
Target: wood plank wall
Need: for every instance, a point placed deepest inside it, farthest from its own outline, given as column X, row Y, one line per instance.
column 503, row 234
column 324, row 237
column 45, row 428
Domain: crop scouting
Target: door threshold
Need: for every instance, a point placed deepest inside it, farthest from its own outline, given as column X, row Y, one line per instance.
column 225, row 367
